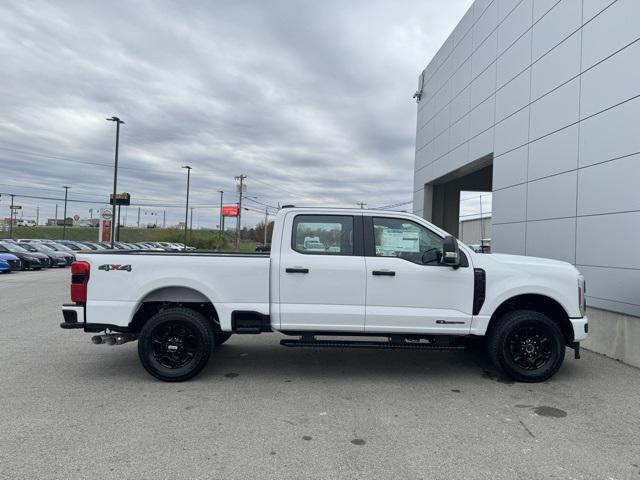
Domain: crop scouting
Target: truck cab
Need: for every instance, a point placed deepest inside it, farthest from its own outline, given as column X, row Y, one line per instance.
column 390, row 276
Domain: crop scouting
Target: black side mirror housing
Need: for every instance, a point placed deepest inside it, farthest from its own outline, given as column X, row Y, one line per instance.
column 450, row 252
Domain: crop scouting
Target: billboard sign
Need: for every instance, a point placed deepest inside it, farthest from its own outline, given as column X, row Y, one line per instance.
column 121, row 199
column 229, row 210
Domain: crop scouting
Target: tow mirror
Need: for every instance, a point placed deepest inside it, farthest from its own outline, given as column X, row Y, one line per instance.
column 450, row 252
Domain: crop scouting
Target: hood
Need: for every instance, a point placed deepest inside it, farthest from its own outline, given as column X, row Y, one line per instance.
column 533, row 261
column 523, row 263
column 7, row 256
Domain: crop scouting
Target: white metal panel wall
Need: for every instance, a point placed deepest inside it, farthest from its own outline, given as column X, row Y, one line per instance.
column 552, row 89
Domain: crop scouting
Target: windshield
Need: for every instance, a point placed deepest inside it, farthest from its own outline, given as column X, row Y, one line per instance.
column 28, row 247
column 12, row 247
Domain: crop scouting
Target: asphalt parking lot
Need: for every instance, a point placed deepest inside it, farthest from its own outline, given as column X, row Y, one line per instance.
column 71, row 409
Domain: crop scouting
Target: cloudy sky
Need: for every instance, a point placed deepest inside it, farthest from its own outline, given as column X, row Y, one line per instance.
column 311, row 100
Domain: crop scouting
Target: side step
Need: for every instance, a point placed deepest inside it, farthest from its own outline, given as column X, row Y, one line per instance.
column 368, row 344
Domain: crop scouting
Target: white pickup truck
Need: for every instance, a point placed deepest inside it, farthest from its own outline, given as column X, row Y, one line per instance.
column 392, row 279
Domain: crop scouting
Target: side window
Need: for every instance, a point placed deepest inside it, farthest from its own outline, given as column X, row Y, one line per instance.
column 323, row 235
column 396, row 237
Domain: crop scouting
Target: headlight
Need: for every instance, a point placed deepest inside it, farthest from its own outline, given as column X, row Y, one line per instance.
column 582, row 292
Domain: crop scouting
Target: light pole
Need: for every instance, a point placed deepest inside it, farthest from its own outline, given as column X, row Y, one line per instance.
column 186, row 211
column 220, row 227
column 115, row 180
column 11, row 218
column 64, row 217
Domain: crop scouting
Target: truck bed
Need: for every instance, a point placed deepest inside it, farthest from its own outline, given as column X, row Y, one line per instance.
column 120, row 281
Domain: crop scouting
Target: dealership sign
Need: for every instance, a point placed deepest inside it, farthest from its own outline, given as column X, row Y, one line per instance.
column 230, row 211
column 121, row 198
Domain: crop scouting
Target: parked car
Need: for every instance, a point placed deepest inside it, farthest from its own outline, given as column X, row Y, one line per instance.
column 4, row 267
column 11, row 259
column 75, row 246
column 58, row 259
column 28, row 260
column 382, row 274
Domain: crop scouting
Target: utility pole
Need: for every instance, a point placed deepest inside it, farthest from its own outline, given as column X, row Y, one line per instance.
column 164, row 218
column 186, row 210
column 37, row 216
column 266, row 224
column 220, row 226
column 11, row 217
column 64, row 220
column 239, row 218
column 56, row 214
column 362, row 205
column 115, row 180
column 138, row 217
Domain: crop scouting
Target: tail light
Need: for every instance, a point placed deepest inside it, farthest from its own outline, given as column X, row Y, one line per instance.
column 79, row 281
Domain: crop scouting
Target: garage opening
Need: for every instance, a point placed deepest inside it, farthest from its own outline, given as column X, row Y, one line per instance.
column 455, row 197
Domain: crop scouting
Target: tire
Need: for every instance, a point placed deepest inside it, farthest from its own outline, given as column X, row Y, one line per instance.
column 175, row 344
column 526, row 345
column 221, row 337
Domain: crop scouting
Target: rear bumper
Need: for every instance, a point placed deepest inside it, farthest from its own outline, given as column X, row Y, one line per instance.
column 73, row 316
column 580, row 328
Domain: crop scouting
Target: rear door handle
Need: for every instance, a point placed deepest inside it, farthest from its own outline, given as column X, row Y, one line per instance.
column 387, row 273
column 297, row 270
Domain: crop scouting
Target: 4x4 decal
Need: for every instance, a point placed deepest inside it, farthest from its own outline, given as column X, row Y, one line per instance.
column 107, row 267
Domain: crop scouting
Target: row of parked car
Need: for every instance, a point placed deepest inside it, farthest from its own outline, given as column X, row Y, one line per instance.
column 35, row 254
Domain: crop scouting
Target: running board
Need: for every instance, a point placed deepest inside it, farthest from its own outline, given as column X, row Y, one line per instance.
column 367, row 344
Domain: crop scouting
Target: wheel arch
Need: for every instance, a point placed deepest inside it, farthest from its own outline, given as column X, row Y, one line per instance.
column 537, row 303
column 165, row 297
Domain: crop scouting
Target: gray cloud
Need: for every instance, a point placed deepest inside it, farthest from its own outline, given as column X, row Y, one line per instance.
column 312, row 100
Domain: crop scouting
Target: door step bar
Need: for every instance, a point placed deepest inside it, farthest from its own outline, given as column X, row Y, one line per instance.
column 381, row 345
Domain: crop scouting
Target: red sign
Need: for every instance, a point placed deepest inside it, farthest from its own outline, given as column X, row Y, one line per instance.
column 105, row 231
column 230, row 211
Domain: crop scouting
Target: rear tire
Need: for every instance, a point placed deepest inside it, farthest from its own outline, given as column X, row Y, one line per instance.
column 175, row 344
column 526, row 345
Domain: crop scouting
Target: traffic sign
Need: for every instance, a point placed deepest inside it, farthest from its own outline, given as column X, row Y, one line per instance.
column 17, row 207
column 76, row 217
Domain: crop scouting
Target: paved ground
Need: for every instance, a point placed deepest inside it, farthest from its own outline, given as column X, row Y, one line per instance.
column 70, row 409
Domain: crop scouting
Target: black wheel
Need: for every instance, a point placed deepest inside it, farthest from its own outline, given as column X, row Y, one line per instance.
column 175, row 344
column 526, row 345
column 221, row 337
column 23, row 265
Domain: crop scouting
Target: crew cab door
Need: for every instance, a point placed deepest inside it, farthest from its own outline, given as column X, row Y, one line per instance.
column 408, row 289
column 322, row 273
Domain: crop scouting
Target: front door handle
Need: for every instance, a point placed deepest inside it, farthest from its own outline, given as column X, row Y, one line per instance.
column 387, row 273
column 297, row 270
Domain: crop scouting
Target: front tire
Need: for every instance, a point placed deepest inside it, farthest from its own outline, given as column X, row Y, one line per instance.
column 175, row 344
column 526, row 345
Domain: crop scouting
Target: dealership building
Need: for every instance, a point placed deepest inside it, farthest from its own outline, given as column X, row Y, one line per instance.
column 538, row 101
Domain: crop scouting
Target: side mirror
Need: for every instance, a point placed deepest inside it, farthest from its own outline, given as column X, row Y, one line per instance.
column 450, row 252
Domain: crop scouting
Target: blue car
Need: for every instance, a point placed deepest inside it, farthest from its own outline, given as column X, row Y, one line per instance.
column 11, row 259
column 4, row 267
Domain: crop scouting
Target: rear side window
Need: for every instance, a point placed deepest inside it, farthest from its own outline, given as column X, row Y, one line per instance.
column 323, row 235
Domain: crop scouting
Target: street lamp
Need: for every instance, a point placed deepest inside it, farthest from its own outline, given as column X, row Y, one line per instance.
column 186, row 213
column 115, row 179
column 64, row 217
